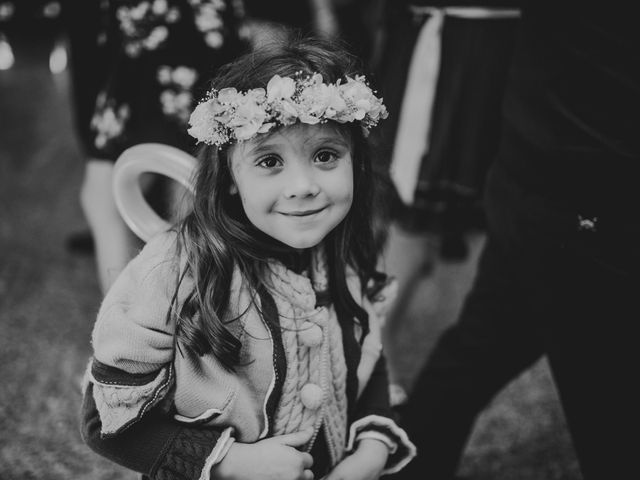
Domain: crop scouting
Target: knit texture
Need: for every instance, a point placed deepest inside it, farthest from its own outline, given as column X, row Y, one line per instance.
column 188, row 454
column 132, row 334
column 320, row 364
column 121, row 405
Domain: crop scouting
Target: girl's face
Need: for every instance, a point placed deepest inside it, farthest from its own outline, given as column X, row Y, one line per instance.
column 295, row 184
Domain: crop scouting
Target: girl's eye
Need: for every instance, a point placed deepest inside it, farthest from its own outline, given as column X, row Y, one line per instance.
column 269, row 162
column 326, row 156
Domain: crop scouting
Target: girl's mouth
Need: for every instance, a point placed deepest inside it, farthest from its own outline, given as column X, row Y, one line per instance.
column 303, row 213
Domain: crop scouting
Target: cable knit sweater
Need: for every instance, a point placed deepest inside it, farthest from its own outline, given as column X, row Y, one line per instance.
column 289, row 378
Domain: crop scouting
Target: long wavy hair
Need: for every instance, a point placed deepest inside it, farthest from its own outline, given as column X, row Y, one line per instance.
column 216, row 236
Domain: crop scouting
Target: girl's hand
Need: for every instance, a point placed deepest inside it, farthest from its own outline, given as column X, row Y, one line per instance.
column 274, row 458
column 366, row 463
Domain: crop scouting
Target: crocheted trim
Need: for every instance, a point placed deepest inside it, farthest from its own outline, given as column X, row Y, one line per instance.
column 120, row 406
column 406, row 449
column 202, row 418
column 375, row 435
column 229, row 116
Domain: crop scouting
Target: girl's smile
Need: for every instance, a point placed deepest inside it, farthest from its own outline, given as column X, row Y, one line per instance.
column 295, row 184
column 303, row 213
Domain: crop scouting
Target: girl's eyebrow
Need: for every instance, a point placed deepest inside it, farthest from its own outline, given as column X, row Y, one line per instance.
column 335, row 139
column 267, row 146
column 262, row 148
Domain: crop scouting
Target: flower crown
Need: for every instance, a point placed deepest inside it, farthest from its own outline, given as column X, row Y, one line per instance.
column 227, row 115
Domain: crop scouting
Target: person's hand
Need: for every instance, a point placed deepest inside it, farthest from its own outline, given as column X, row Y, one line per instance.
column 275, row 458
column 366, row 463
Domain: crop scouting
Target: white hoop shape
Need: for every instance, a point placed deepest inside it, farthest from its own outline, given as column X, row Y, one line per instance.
column 148, row 158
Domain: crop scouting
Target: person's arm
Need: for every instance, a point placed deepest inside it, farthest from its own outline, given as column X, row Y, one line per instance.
column 164, row 449
column 133, row 338
column 373, row 417
column 127, row 395
column 376, row 445
column 156, row 445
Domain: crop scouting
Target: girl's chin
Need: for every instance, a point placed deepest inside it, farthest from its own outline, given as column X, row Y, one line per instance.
column 302, row 244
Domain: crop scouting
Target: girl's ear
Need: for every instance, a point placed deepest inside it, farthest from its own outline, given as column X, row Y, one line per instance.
column 233, row 189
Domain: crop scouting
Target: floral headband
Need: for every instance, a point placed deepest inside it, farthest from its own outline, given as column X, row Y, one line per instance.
column 228, row 116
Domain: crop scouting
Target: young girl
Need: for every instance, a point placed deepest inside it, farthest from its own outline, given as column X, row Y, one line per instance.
column 246, row 343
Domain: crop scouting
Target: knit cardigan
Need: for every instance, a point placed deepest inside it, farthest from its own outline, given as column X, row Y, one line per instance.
column 289, row 378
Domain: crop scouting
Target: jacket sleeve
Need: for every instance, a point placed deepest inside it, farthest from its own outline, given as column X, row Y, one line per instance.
column 157, row 445
column 133, row 339
column 128, row 385
column 374, row 416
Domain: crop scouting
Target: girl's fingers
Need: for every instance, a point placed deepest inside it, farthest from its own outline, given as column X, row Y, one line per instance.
column 296, row 439
column 307, row 475
column 307, row 460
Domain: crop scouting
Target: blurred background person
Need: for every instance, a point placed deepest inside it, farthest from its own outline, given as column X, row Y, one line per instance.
column 155, row 57
column 84, row 23
column 558, row 273
column 442, row 70
column 354, row 21
column 7, row 59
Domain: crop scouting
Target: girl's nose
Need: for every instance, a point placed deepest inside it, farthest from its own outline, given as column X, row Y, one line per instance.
column 301, row 182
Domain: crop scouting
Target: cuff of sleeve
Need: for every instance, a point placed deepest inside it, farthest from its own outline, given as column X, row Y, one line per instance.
column 218, row 453
column 375, row 435
column 121, row 405
column 405, row 449
column 190, row 455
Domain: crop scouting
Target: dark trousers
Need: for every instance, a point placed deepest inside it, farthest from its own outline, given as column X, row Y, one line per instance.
column 543, row 287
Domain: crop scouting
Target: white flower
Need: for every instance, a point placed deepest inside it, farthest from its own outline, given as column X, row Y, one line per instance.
column 378, row 111
column 176, row 104
column 158, row 35
column 183, row 100
column 214, row 39
column 164, row 75
column 167, row 99
column 173, row 15
column 184, row 77
column 127, row 27
column 138, row 12
column 280, row 88
column 159, row 7
column 249, row 115
column 280, row 91
column 319, row 101
column 132, row 49
column 208, row 19
column 108, row 123
column 358, row 96
column 335, row 102
column 203, row 123
column 229, row 115
column 228, row 95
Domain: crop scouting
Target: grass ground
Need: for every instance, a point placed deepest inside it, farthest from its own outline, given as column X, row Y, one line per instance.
column 49, row 298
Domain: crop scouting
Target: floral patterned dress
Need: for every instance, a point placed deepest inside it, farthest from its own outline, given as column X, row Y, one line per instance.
column 160, row 54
